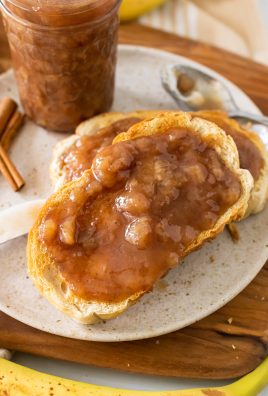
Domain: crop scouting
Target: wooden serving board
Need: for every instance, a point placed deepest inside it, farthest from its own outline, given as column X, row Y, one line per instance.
column 227, row 344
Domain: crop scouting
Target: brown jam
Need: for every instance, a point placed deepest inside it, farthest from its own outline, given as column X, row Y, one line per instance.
column 64, row 56
column 132, row 216
column 80, row 155
column 249, row 155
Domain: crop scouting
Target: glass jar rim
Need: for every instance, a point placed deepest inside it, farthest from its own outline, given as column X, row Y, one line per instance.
column 52, row 5
column 93, row 6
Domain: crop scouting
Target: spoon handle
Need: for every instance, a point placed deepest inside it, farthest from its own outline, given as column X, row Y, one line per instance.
column 256, row 118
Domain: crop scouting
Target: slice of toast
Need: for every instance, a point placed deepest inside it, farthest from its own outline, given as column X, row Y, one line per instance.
column 253, row 155
column 98, row 125
column 252, row 152
column 122, row 262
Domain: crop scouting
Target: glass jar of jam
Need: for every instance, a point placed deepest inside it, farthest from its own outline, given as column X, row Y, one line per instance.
column 64, row 56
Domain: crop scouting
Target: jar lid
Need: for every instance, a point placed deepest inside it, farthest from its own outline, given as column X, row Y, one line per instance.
column 60, row 12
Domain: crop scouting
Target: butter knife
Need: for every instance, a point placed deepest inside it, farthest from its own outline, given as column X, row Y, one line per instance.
column 17, row 220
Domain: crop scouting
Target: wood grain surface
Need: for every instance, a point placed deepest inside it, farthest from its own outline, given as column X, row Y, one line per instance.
column 227, row 344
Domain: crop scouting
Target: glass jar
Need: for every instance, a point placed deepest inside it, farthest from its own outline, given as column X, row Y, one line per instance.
column 64, row 56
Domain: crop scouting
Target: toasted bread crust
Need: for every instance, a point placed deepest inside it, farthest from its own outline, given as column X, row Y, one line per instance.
column 93, row 125
column 41, row 267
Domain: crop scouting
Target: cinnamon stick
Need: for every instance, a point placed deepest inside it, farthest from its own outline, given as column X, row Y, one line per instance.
column 7, row 108
column 7, row 175
column 14, row 124
column 10, row 121
column 10, row 171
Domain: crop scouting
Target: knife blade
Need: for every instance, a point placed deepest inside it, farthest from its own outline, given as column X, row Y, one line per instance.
column 17, row 220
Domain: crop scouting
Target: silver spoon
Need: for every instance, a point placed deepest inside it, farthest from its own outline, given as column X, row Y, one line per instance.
column 195, row 90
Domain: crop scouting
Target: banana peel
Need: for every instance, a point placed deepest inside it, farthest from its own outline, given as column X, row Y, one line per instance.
column 132, row 9
column 16, row 380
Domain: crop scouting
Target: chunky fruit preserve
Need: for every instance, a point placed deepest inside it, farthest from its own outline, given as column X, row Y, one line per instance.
column 64, row 57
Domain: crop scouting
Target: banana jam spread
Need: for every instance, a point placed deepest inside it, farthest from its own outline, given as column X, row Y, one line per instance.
column 64, row 57
column 249, row 155
column 130, row 218
column 79, row 156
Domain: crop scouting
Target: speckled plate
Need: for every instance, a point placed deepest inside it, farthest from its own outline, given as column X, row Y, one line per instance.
column 204, row 282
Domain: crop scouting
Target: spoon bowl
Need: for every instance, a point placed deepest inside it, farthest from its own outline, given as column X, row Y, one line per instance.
column 195, row 90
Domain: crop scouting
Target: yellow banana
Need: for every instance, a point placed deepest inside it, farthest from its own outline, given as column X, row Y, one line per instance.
column 16, row 380
column 132, row 9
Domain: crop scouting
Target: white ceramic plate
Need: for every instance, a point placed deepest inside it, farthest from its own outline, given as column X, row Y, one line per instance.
column 204, row 282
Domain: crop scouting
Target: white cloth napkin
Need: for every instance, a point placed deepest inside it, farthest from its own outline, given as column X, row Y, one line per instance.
column 235, row 25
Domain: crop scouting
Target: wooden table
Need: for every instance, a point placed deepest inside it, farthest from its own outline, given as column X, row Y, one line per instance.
column 216, row 347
